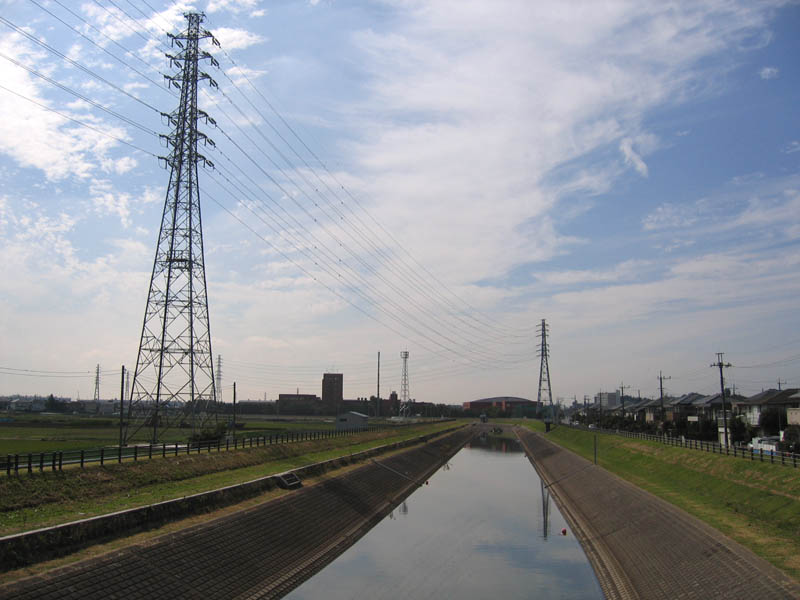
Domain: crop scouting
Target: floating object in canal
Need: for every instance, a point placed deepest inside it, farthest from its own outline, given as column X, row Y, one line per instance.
column 564, row 531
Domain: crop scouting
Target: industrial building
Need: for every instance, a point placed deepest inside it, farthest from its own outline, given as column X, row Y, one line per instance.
column 332, row 391
column 507, row 405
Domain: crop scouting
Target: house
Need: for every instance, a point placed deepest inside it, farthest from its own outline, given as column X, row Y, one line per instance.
column 27, row 405
column 351, row 420
column 753, row 406
column 649, row 410
column 677, row 408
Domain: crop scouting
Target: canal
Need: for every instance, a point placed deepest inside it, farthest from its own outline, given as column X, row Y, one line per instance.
column 484, row 527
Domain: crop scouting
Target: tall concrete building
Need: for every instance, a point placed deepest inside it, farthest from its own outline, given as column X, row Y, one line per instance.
column 332, row 391
column 607, row 399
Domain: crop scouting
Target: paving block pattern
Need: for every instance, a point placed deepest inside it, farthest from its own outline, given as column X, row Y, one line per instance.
column 643, row 547
column 262, row 552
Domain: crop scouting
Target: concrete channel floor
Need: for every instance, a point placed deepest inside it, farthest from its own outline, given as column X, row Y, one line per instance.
column 261, row 552
column 644, row 547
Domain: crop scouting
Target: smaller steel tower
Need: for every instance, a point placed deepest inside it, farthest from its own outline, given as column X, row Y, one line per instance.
column 405, row 402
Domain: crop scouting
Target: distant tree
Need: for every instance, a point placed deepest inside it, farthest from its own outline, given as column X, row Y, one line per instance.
column 791, row 439
column 772, row 419
column 739, row 431
column 50, row 404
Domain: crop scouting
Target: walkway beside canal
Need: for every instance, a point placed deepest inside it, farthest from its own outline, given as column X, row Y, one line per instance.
column 642, row 547
column 261, row 552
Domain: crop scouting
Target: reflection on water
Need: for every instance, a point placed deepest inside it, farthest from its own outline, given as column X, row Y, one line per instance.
column 480, row 529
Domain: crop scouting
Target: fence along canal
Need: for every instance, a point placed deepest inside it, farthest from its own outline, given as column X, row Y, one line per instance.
column 787, row 459
column 29, row 462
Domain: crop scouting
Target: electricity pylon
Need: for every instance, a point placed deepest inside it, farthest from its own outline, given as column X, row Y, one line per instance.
column 544, row 368
column 405, row 402
column 97, row 387
column 173, row 383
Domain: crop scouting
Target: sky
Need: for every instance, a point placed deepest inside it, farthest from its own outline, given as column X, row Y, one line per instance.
column 393, row 175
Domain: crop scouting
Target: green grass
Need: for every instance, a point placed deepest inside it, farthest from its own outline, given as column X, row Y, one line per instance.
column 46, row 433
column 39, row 500
column 757, row 504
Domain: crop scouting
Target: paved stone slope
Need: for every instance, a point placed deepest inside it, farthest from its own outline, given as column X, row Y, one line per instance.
column 261, row 552
column 643, row 547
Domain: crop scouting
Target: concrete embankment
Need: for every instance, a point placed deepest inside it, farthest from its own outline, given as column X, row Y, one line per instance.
column 643, row 547
column 261, row 552
column 43, row 544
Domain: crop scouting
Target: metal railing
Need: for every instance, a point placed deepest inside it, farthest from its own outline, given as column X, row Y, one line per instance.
column 56, row 460
column 787, row 459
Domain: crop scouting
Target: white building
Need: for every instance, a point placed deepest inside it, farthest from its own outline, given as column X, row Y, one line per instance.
column 607, row 399
column 27, row 405
column 351, row 420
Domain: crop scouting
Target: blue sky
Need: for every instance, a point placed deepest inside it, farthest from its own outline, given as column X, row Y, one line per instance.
column 626, row 170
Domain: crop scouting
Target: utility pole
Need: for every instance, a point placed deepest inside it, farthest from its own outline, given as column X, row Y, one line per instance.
column 779, row 383
column 378, row 396
column 622, row 389
column 234, row 410
column 661, row 379
column 722, row 365
column 121, row 404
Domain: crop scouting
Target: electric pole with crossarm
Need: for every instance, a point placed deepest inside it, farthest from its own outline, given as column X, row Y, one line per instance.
column 722, row 365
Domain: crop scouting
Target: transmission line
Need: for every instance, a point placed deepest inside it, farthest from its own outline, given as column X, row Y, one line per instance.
column 79, row 122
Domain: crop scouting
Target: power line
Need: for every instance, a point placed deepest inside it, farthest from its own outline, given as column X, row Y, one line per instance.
column 91, row 41
column 79, row 122
column 517, row 332
column 76, row 64
column 77, row 94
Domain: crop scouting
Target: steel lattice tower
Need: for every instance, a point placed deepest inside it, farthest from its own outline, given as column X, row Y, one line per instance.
column 544, row 367
column 219, row 378
column 405, row 403
column 97, row 385
column 173, row 382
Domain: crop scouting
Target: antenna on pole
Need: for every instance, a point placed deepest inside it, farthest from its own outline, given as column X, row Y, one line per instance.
column 174, row 376
column 405, row 403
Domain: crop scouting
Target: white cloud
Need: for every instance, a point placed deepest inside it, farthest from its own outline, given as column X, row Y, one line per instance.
column 768, row 73
column 624, row 271
column 106, row 200
column 234, row 6
column 473, row 104
column 792, row 147
column 41, row 139
column 631, row 157
column 236, row 39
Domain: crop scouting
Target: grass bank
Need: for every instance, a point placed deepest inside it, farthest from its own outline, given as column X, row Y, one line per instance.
column 756, row 504
column 44, row 499
column 28, row 433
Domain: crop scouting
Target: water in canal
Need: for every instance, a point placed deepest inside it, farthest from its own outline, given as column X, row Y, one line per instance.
column 483, row 528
